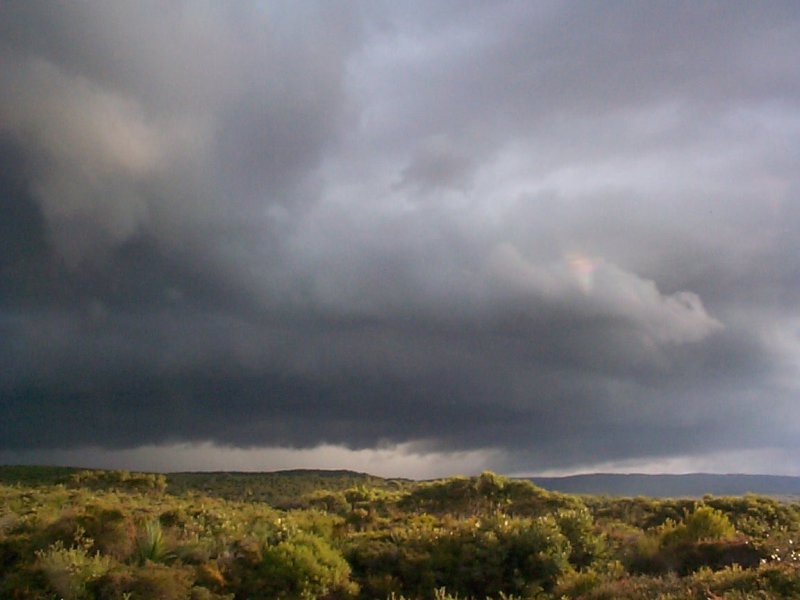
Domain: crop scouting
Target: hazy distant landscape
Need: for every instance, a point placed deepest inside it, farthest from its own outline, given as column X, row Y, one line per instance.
column 670, row 485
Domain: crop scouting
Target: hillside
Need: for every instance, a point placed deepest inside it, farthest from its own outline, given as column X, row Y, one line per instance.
column 283, row 489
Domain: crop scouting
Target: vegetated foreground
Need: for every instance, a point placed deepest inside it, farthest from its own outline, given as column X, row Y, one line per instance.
column 66, row 533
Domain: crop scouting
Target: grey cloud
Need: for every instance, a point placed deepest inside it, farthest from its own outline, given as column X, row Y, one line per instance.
column 437, row 166
column 567, row 233
column 168, row 132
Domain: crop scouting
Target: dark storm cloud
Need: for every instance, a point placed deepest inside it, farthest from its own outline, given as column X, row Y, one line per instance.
column 566, row 232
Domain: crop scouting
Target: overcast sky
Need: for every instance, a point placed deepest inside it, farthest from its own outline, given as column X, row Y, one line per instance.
column 412, row 238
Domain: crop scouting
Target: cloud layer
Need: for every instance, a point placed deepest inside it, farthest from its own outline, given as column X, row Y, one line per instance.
column 554, row 235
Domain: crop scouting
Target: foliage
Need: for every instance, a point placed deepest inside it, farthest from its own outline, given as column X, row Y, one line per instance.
column 283, row 489
column 69, row 571
column 703, row 523
column 79, row 534
column 480, row 557
column 123, row 480
column 578, row 527
column 488, row 493
column 304, row 567
column 151, row 545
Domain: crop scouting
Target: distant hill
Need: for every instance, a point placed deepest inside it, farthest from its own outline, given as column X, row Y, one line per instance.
column 35, row 475
column 671, row 486
column 282, row 489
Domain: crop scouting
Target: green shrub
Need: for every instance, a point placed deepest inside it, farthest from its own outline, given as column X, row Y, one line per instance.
column 306, row 567
column 302, row 567
column 69, row 571
column 578, row 527
column 471, row 557
column 704, row 523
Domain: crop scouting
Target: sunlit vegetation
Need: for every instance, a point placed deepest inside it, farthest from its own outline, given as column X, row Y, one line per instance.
column 95, row 535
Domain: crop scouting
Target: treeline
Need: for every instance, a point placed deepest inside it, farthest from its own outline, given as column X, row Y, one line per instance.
column 135, row 536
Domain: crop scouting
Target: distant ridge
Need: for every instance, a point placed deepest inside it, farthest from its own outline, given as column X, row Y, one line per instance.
column 284, row 473
column 672, row 486
column 286, row 486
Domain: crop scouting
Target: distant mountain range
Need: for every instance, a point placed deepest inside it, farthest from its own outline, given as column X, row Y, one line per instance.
column 671, row 486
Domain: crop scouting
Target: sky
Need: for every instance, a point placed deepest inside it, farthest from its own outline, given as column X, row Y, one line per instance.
column 409, row 238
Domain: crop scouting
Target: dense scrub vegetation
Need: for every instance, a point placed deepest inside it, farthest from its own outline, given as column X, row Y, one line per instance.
column 76, row 534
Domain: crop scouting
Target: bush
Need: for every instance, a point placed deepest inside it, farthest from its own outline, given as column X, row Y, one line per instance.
column 69, row 571
column 112, row 532
column 703, row 524
column 147, row 582
column 475, row 558
column 302, row 567
column 578, row 527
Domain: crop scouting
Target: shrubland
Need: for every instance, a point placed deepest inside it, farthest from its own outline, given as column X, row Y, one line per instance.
column 93, row 535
